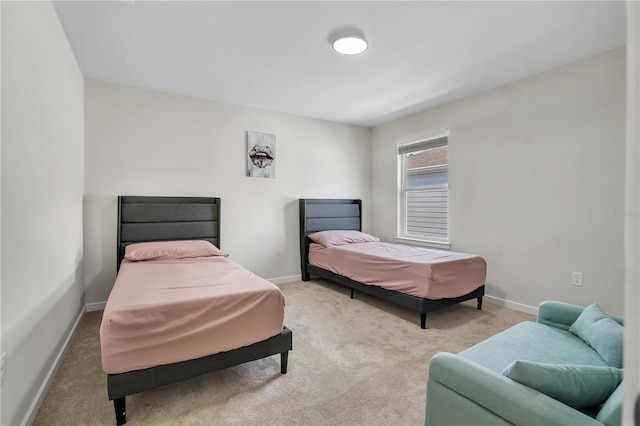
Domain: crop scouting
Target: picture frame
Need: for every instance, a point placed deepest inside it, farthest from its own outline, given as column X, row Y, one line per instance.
column 261, row 155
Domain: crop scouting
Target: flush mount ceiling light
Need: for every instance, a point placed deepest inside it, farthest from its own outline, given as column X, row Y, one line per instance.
column 350, row 42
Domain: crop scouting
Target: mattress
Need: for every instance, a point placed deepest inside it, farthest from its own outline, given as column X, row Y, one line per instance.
column 421, row 272
column 167, row 311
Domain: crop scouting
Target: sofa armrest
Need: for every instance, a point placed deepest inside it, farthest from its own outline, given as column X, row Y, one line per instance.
column 562, row 315
column 492, row 396
column 558, row 314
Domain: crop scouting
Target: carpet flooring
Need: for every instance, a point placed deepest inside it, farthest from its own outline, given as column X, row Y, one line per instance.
column 357, row 361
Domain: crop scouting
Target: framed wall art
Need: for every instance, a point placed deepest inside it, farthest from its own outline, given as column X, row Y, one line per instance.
column 261, row 155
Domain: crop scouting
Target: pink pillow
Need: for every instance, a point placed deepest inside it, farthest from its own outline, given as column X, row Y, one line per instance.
column 339, row 237
column 171, row 250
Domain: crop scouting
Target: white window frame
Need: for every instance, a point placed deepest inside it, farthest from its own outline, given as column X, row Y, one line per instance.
column 415, row 146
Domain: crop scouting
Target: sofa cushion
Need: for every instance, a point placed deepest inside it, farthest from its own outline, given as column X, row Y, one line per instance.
column 535, row 342
column 610, row 413
column 578, row 386
column 601, row 332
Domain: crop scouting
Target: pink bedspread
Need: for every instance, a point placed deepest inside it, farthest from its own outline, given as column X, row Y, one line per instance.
column 430, row 274
column 166, row 311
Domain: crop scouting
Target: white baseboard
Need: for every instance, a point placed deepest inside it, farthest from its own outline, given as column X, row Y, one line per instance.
column 284, row 280
column 511, row 305
column 490, row 299
column 98, row 306
column 32, row 412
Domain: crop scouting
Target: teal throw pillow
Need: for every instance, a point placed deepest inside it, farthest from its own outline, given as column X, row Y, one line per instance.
column 578, row 386
column 601, row 332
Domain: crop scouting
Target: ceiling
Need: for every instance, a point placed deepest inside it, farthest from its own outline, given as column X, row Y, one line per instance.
column 276, row 55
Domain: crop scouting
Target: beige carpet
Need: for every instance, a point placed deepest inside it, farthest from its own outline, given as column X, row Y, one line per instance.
column 354, row 362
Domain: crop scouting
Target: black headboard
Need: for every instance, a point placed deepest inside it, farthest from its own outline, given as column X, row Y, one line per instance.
column 145, row 219
column 318, row 214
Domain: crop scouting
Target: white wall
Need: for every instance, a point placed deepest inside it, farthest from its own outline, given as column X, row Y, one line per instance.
column 1, row 351
column 143, row 142
column 42, row 186
column 536, row 169
column 632, row 229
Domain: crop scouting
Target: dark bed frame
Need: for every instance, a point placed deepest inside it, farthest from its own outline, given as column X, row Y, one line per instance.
column 145, row 219
column 346, row 214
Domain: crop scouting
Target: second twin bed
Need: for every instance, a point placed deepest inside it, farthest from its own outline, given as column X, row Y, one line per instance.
column 333, row 247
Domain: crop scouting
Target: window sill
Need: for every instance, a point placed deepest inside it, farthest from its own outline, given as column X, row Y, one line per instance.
column 424, row 243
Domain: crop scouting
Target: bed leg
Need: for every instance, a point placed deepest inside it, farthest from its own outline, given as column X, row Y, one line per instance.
column 352, row 292
column 423, row 320
column 119, row 405
column 306, row 276
column 480, row 303
column 284, row 359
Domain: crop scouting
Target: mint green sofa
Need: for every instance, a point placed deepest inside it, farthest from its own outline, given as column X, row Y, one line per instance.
column 471, row 388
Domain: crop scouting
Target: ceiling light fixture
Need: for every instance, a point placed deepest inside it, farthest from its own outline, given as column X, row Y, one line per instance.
column 350, row 42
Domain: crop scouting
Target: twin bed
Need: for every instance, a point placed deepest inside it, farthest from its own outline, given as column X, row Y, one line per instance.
column 333, row 247
column 179, row 307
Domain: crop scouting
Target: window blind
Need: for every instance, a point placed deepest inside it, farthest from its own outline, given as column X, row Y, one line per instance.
column 427, row 213
column 425, row 191
column 422, row 145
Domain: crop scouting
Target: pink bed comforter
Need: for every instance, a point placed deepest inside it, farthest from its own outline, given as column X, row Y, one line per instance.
column 166, row 311
column 430, row 274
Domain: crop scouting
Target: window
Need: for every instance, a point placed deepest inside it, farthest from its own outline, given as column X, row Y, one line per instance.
column 424, row 191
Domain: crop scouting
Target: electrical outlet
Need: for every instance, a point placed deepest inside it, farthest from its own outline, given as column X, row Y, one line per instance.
column 3, row 368
column 576, row 279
